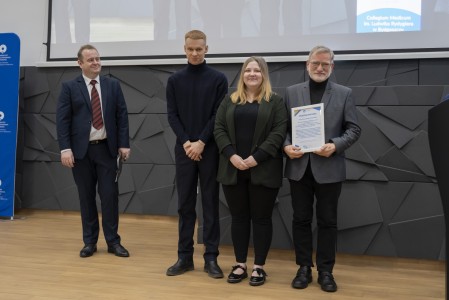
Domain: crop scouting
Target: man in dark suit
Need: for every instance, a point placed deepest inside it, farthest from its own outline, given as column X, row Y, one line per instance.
column 319, row 174
column 93, row 134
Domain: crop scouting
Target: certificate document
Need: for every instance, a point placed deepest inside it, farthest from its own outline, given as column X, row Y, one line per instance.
column 308, row 127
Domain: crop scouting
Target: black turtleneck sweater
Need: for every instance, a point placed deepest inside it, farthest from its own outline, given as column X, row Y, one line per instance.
column 193, row 96
column 317, row 90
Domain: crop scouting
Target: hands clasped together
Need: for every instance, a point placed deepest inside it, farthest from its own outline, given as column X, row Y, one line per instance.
column 243, row 164
column 194, row 149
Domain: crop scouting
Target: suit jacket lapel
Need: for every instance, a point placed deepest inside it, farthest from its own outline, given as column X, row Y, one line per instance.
column 84, row 91
column 305, row 94
column 104, row 93
column 262, row 114
column 327, row 94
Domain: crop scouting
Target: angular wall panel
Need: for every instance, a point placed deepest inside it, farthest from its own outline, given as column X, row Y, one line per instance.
column 389, row 200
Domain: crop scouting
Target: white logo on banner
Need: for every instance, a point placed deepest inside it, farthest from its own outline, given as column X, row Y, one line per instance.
column 3, row 48
column 2, row 115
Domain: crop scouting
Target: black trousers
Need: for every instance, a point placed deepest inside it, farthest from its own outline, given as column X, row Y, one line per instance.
column 98, row 167
column 187, row 173
column 250, row 203
column 302, row 193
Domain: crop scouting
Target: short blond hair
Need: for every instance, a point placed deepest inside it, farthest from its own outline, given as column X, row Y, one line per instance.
column 195, row 35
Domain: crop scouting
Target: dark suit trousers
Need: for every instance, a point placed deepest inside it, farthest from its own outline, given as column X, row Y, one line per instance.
column 187, row 173
column 98, row 167
column 302, row 193
column 248, row 204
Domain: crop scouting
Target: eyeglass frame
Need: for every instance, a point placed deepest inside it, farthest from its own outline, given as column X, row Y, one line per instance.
column 324, row 65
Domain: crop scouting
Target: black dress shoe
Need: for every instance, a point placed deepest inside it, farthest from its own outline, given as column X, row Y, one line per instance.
column 88, row 250
column 180, row 267
column 235, row 278
column 213, row 269
column 258, row 280
column 327, row 282
column 118, row 250
column 303, row 277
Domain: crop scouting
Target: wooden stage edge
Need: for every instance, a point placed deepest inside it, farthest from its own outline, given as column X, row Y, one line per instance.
column 39, row 259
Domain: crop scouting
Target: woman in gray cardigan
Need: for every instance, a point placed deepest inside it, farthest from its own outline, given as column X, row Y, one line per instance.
column 250, row 128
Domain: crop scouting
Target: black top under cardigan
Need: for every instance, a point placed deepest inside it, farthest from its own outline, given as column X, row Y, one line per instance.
column 269, row 135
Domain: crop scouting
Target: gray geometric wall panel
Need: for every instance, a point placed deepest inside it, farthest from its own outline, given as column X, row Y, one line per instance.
column 389, row 201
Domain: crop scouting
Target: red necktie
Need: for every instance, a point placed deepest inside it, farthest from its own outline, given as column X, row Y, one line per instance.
column 97, row 119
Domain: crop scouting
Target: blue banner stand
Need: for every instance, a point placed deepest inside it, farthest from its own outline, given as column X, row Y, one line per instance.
column 9, row 108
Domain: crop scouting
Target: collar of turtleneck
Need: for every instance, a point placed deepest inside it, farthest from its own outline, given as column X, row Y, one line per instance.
column 317, row 90
column 313, row 85
column 196, row 68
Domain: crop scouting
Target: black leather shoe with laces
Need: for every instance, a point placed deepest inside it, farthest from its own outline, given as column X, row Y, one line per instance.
column 303, row 277
column 88, row 250
column 213, row 269
column 327, row 282
column 235, row 278
column 180, row 267
column 258, row 280
column 118, row 250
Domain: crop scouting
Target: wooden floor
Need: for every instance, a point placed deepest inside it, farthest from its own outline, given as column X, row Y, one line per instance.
column 39, row 259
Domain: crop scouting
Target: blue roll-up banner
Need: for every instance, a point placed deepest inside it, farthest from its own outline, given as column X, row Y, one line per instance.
column 9, row 108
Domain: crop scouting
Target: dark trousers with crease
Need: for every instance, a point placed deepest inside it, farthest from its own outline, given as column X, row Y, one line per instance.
column 98, row 167
column 187, row 174
column 303, row 193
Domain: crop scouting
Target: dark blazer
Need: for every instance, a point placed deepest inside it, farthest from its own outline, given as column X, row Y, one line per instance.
column 74, row 116
column 340, row 128
column 271, row 126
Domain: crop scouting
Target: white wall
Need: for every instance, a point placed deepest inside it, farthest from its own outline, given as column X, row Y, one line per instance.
column 28, row 19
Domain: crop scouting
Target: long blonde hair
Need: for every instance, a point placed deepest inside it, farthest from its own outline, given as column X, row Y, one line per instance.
column 265, row 91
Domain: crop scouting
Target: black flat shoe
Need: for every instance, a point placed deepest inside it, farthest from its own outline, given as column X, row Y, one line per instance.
column 258, row 280
column 235, row 278
column 88, row 250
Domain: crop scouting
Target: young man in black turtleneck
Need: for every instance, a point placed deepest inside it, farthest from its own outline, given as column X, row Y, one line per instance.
column 193, row 96
column 320, row 173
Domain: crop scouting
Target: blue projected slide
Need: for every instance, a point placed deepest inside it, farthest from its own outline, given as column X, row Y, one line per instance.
column 388, row 15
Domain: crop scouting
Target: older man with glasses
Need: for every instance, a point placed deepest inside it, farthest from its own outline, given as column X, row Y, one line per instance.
column 319, row 173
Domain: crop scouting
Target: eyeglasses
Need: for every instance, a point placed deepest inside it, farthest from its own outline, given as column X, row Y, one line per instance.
column 324, row 65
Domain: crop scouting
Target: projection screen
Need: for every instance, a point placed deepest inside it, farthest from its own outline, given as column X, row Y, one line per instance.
column 154, row 29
